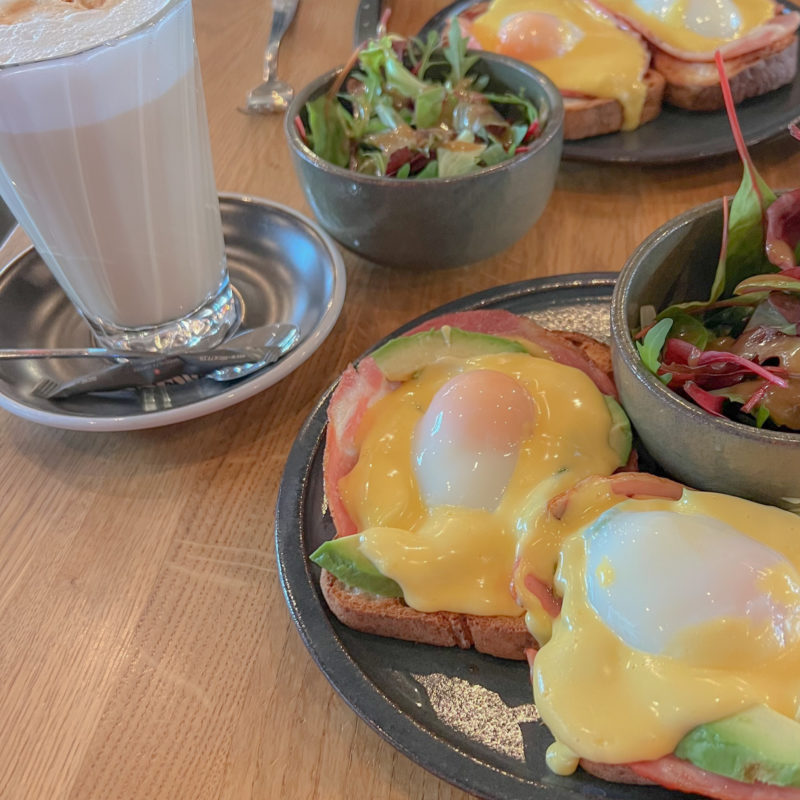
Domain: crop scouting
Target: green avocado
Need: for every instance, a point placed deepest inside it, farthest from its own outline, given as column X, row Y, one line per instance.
column 401, row 358
column 620, row 436
column 342, row 558
column 758, row 744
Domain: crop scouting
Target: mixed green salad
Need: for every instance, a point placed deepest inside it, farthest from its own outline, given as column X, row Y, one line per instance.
column 411, row 109
column 737, row 354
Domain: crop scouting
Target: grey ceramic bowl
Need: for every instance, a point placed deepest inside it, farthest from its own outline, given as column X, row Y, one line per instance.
column 437, row 222
column 676, row 263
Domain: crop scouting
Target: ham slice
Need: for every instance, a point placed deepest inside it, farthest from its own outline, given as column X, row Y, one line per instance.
column 544, row 594
column 625, row 483
column 674, row 773
column 358, row 388
column 642, row 484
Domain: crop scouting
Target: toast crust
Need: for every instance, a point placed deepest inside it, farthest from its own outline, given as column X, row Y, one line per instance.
column 695, row 86
column 584, row 117
column 595, row 351
column 504, row 637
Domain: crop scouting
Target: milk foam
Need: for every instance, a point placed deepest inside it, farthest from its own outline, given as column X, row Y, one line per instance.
column 95, row 83
column 32, row 30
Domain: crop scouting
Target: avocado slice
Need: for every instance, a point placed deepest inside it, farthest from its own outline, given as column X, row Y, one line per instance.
column 620, row 437
column 758, row 744
column 400, row 358
column 342, row 558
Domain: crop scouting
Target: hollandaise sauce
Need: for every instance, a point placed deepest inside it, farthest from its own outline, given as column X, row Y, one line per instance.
column 584, row 52
column 675, row 613
column 455, row 464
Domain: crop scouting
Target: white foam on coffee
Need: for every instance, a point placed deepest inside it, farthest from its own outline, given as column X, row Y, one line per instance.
column 96, row 82
column 39, row 29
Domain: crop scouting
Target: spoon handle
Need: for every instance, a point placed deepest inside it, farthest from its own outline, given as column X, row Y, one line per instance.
column 218, row 356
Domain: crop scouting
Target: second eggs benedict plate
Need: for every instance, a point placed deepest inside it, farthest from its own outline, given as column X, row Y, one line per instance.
column 675, row 135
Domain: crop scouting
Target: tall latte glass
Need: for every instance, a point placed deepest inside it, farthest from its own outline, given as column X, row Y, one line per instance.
column 105, row 162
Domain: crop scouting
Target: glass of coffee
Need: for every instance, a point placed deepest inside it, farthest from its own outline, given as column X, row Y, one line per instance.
column 105, row 162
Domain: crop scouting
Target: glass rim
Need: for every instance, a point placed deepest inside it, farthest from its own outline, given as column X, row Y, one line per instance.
column 164, row 10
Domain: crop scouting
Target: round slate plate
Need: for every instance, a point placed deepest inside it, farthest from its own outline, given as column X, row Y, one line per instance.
column 676, row 135
column 464, row 716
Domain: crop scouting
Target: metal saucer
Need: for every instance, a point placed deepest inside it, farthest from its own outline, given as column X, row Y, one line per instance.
column 284, row 269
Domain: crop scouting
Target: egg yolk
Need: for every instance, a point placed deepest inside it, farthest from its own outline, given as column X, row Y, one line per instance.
column 533, row 36
column 467, row 442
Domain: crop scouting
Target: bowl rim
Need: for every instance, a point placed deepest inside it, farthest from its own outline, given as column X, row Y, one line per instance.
column 553, row 128
column 622, row 341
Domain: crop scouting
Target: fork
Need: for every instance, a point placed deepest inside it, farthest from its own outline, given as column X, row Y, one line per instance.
column 272, row 94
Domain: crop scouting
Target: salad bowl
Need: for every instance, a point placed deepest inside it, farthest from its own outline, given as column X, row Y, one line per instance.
column 677, row 263
column 430, row 223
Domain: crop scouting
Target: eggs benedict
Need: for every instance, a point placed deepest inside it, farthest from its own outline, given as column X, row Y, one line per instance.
column 441, row 448
column 629, row 54
column 580, row 48
column 679, row 627
column 756, row 38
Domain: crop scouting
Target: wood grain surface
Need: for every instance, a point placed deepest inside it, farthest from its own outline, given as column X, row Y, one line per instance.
column 145, row 647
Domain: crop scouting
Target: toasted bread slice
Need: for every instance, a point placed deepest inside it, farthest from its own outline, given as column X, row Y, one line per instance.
column 584, row 117
column 504, row 637
column 695, row 86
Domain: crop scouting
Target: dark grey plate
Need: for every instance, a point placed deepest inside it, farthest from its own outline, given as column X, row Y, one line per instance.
column 466, row 717
column 284, row 268
column 675, row 135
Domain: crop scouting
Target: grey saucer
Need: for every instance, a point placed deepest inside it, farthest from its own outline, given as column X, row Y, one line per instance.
column 464, row 716
column 284, row 268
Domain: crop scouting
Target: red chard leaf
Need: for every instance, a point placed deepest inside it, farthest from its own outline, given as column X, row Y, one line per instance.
column 708, row 402
column 783, row 230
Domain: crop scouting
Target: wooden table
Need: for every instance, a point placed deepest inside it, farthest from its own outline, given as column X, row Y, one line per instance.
column 145, row 647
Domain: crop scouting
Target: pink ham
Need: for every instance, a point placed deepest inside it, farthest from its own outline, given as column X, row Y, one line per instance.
column 358, row 388
column 642, row 484
column 674, row 773
column 544, row 594
column 623, row 483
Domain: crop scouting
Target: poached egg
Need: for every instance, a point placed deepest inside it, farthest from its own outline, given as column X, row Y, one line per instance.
column 580, row 48
column 674, row 613
column 454, row 464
